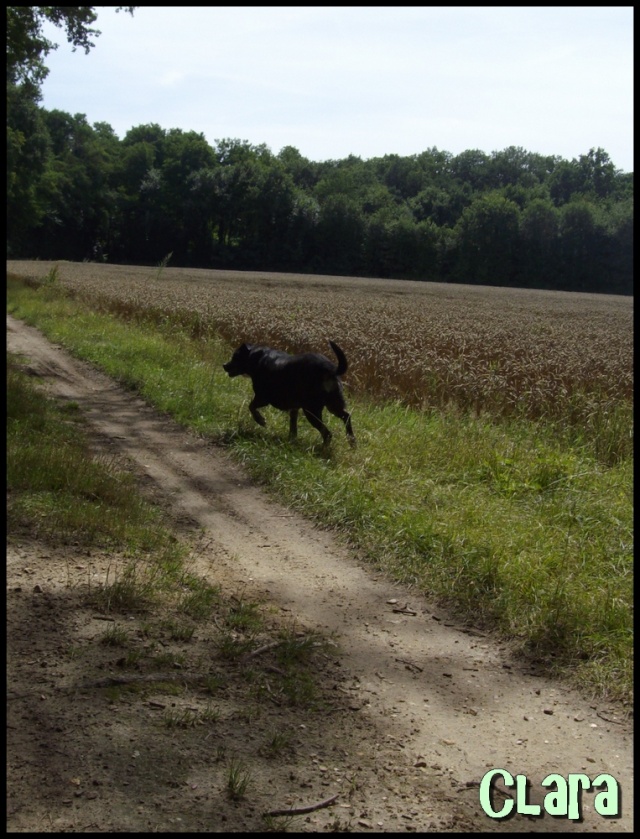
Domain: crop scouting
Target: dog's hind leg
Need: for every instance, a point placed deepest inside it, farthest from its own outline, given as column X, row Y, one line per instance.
column 316, row 421
column 341, row 412
column 345, row 416
column 347, row 424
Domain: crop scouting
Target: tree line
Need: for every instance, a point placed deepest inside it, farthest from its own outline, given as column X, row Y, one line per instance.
column 512, row 218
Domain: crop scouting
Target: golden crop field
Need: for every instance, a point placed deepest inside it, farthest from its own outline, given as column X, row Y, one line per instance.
column 540, row 354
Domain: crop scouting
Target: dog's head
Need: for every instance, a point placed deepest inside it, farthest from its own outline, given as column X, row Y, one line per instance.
column 238, row 365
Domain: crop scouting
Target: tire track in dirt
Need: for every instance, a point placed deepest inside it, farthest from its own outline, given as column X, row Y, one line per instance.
column 449, row 698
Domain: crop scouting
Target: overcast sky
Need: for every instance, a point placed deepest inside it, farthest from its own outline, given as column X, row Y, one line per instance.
column 334, row 81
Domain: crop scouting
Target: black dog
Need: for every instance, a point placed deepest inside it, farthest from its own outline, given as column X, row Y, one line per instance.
column 291, row 382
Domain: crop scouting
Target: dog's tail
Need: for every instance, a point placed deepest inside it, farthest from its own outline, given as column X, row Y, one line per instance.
column 343, row 364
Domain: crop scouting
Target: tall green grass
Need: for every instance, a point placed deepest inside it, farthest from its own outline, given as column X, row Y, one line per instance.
column 512, row 525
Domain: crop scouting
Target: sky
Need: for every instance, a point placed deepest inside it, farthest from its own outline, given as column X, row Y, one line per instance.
column 366, row 81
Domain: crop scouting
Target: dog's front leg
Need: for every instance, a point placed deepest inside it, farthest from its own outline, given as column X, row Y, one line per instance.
column 293, row 424
column 255, row 413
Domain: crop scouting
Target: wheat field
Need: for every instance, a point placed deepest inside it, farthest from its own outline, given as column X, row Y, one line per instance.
column 559, row 356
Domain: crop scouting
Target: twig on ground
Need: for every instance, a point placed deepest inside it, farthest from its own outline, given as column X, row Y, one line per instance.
column 261, row 650
column 300, row 811
column 405, row 610
column 410, row 664
column 608, row 719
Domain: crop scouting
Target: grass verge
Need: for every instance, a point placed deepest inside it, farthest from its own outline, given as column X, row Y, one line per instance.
column 59, row 490
column 509, row 524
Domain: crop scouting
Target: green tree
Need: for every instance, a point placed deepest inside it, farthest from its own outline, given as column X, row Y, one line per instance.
column 403, row 176
column 339, row 237
column 28, row 150
column 301, row 169
column 349, row 178
column 487, row 239
column 598, row 173
column 150, row 133
column 436, row 205
column 472, row 167
column 514, row 166
column 376, row 199
column 183, row 153
column 26, row 45
column 27, row 155
column 302, row 235
column 618, row 223
column 565, row 181
column 391, row 243
column 581, row 249
column 539, row 226
column 139, row 153
column 268, row 215
column 593, row 176
column 79, row 200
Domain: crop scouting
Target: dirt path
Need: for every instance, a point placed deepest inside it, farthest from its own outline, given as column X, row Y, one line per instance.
column 449, row 703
